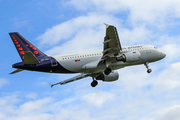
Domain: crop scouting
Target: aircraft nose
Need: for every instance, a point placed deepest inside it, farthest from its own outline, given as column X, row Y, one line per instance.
column 163, row 54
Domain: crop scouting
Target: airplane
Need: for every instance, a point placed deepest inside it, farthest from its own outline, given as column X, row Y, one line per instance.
column 100, row 65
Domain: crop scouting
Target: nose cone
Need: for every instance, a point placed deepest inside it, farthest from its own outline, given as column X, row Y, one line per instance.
column 163, row 54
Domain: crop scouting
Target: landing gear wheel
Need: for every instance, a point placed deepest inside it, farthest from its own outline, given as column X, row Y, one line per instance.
column 107, row 71
column 149, row 71
column 94, row 83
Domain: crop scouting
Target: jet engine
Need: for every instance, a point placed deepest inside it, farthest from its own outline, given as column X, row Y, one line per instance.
column 113, row 76
column 130, row 57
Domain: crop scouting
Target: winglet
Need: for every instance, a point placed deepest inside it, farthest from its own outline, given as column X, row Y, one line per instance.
column 106, row 25
column 51, row 85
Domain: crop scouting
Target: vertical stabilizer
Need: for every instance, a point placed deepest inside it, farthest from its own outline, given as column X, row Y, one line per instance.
column 23, row 45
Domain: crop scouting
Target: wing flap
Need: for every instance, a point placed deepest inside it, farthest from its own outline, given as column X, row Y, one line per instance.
column 112, row 46
column 111, row 40
column 107, row 41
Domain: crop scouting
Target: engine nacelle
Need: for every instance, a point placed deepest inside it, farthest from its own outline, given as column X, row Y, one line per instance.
column 113, row 76
column 130, row 57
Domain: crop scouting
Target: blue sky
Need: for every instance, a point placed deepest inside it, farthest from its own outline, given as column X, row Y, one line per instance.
column 71, row 26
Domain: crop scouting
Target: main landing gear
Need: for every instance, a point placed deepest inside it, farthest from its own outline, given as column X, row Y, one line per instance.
column 94, row 82
column 148, row 70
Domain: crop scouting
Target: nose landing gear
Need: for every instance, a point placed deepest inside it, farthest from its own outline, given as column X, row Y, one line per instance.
column 148, row 70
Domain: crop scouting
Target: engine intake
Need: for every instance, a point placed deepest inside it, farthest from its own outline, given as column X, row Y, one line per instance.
column 113, row 76
column 130, row 57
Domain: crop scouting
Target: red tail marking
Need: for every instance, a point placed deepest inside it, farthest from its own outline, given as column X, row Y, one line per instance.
column 13, row 37
column 22, row 52
column 20, row 48
column 34, row 48
column 35, row 52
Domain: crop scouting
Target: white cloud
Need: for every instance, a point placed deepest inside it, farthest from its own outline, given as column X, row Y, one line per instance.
column 3, row 82
column 166, row 113
column 172, row 50
column 77, row 34
column 169, row 78
column 136, row 95
column 137, row 35
column 156, row 13
column 98, row 98
column 21, row 23
column 32, row 95
column 34, row 107
column 171, row 113
column 10, row 109
column 88, row 29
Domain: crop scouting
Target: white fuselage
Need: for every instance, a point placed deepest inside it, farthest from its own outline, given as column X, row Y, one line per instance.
column 88, row 62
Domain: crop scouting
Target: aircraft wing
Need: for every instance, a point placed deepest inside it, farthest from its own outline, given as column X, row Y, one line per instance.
column 71, row 79
column 112, row 46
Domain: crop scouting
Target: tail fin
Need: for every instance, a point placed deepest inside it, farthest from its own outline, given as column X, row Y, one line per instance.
column 23, row 45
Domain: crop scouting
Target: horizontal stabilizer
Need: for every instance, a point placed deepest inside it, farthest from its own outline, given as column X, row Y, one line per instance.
column 16, row 71
column 29, row 58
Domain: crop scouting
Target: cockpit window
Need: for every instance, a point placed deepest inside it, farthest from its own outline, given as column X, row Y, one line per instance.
column 155, row 47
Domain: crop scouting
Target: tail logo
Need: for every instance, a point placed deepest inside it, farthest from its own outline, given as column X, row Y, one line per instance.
column 18, row 45
column 20, row 49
